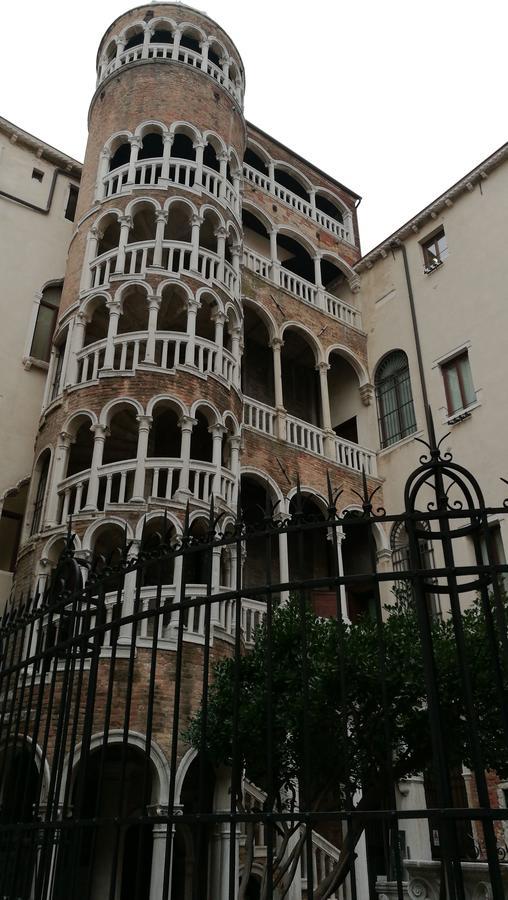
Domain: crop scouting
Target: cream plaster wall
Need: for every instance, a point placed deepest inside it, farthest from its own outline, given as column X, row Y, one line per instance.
column 33, row 250
column 463, row 302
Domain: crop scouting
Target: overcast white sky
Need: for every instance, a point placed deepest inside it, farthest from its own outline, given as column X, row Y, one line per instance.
column 396, row 99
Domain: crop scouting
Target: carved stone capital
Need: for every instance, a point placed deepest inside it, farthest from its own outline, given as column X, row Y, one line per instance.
column 186, row 423
column 144, row 422
column 367, row 393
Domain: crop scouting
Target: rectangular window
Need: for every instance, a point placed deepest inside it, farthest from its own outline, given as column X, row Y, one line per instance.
column 458, row 383
column 435, row 250
column 45, row 325
column 37, row 175
column 70, row 210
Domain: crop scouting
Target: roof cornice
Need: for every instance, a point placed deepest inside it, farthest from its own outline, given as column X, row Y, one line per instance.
column 434, row 209
column 41, row 149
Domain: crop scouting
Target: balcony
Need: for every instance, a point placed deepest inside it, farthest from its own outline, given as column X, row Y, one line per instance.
column 172, row 172
column 307, row 437
column 301, row 288
column 162, row 479
column 173, row 52
column 175, row 258
column 171, row 352
column 284, row 195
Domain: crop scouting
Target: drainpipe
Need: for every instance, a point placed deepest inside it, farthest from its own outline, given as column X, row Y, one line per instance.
column 423, row 384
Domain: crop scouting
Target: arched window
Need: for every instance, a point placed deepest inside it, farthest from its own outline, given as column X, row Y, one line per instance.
column 394, row 399
column 43, row 467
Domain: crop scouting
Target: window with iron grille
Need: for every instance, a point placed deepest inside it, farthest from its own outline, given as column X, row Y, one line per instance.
column 394, row 399
column 458, row 383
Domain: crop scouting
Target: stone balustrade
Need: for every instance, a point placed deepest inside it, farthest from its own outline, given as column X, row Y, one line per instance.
column 173, row 53
column 309, row 210
column 301, row 288
column 308, row 437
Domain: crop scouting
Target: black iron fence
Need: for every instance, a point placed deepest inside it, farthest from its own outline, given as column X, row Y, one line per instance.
column 265, row 708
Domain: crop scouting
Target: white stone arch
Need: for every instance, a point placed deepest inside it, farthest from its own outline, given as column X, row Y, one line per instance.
column 307, row 335
column 352, row 359
column 149, row 126
column 211, row 411
column 14, row 489
column 37, row 756
column 232, row 226
column 180, row 407
column 383, row 359
column 105, row 57
column 233, row 315
column 71, row 423
column 109, row 409
column 91, row 302
column 171, row 518
column 218, row 144
column 290, row 232
column 234, row 161
column 266, row 480
column 311, row 492
column 134, row 739
column 335, row 199
column 182, row 770
column 161, row 22
column 124, row 288
column 175, row 282
column 249, row 206
column 111, row 213
column 181, row 126
column 265, row 316
column 101, row 523
column 259, row 150
column 116, row 139
column 341, row 264
column 297, row 174
column 210, row 293
column 199, row 515
column 54, row 539
column 132, row 206
column 213, row 40
column 133, row 27
column 236, row 424
column 182, row 201
column 186, row 27
column 381, row 538
column 208, row 208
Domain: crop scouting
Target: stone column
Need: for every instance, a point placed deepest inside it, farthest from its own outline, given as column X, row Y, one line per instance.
column 125, row 227
column 204, row 54
column 236, row 352
column 58, row 470
column 166, row 155
column 275, row 266
column 223, row 162
column 284, row 564
column 192, row 311
column 125, row 635
column 75, row 342
column 319, row 284
column 218, row 318
column 161, row 218
column 153, row 311
column 177, row 34
column 237, row 186
column 217, row 431
column 235, row 442
column 312, row 200
column 221, row 235
column 136, row 145
column 277, row 345
column 115, row 311
column 93, row 238
column 120, row 46
column 159, row 843
column 225, row 64
column 102, row 171
column 146, row 41
column 271, row 175
column 186, row 424
column 100, row 434
column 138, row 491
column 340, row 571
column 326, row 418
column 196, row 222
column 199, row 147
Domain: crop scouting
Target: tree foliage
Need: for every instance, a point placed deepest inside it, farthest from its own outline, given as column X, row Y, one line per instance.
column 328, row 678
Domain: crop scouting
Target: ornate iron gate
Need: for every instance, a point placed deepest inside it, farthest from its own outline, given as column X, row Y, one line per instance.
column 188, row 723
